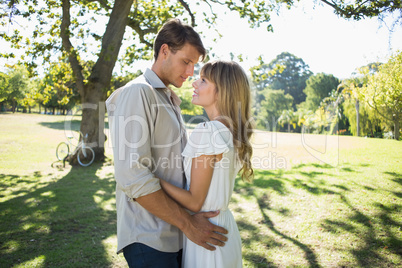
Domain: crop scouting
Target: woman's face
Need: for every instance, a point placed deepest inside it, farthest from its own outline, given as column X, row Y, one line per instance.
column 205, row 93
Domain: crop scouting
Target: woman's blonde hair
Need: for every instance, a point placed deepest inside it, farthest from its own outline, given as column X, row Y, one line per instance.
column 233, row 103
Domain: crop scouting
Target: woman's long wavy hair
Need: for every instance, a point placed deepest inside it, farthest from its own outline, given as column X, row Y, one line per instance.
column 233, row 103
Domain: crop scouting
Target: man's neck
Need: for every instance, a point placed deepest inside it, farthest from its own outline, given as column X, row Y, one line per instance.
column 156, row 68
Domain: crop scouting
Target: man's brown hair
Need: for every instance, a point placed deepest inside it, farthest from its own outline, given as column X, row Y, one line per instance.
column 176, row 34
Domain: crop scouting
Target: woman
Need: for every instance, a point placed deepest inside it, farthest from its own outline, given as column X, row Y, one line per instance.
column 216, row 151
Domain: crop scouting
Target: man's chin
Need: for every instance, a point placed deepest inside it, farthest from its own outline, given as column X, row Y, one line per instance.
column 178, row 84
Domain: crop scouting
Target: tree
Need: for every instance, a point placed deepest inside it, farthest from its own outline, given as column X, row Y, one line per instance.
column 275, row 102
column 70, row 28
column 318, row 87
column 360, row 9
column 286, row 72
column 349, row 90
column 290, row 118
column 57, row 88
column 383, row 91
column 16, row 86
column 368, row 123
column 30, row 100
column 4, row 90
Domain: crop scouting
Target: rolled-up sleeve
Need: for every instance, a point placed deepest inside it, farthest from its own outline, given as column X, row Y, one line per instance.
column 131, row 114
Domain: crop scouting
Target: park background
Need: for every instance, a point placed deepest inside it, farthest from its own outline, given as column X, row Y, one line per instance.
column 321, row 197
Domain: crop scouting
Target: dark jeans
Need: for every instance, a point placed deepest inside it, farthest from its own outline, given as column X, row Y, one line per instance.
column 139, row 255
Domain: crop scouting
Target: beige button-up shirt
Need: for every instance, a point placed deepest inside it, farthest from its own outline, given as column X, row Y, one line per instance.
column 148, row 136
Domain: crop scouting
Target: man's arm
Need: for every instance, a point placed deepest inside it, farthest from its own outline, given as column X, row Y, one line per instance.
column 196, row 227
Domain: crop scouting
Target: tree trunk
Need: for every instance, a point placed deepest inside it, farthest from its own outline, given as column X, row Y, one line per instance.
column 13, row 107
column 396, row 129
column 93, row 118
column 357, row 118
column 92, row 93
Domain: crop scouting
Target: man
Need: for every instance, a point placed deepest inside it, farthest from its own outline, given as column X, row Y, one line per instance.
column 148, row 137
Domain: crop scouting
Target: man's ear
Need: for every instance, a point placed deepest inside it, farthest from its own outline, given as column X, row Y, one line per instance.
column 164, row 51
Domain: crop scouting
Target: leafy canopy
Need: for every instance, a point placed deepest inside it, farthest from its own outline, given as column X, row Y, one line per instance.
column 286, row 72
column 88, row 20
column 318, row 87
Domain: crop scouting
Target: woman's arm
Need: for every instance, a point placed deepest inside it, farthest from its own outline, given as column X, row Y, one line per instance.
column 202, row 168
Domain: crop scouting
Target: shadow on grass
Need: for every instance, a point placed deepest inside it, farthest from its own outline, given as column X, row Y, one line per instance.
column 276, row 181
column 69, row 125
column 397, row 177
column 59, row 223
column 61, row 125
column 365, row 226
column 309, row 254
column 373, row 240
column 374, row 233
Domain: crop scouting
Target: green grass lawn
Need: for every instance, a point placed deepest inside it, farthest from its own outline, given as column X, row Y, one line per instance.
column 298, row 212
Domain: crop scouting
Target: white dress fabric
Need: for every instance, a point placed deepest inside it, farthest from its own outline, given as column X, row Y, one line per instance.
column 212, row 138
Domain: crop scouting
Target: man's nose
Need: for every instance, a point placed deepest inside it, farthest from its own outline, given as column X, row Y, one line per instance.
column 190, row 70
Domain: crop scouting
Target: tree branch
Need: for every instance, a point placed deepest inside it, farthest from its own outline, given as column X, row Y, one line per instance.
column 103, row 3
column 215, row 1
column 68, row 47
column 111, row 42
column 185, row 5
column 375, row 107
column 135, row 25
column 334, row 6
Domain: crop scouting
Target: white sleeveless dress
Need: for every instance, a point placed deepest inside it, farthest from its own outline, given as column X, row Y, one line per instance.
column 211, row 138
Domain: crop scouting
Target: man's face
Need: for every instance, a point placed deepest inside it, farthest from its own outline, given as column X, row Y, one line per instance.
column 177, row 67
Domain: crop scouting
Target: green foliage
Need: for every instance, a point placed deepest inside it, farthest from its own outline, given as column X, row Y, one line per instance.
column 383, row 91
column 30, row 96
column 85, row 18
column 57, row 89
column 369, row 121
column 333, row 103
column 185, row 93
column 286, row 72
column 359, row 9
column 14, row 85
column 275, row 102
column 4, row 88
column 288, row 120
column 318, row 87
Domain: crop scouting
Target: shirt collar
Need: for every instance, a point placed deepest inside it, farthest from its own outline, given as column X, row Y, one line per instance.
column 156, row 82
column 153, row 79
column 171, row 94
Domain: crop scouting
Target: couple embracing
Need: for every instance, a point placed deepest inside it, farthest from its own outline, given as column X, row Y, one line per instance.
column 175, row 213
